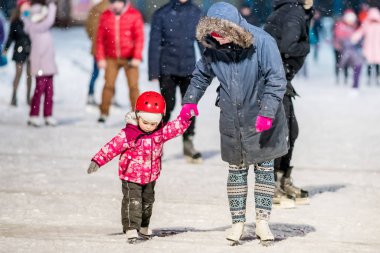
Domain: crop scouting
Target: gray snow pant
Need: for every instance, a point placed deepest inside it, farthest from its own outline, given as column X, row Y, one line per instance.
column 137, row 205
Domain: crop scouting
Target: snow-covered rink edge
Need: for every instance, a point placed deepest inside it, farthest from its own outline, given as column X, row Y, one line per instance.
column 50, row 204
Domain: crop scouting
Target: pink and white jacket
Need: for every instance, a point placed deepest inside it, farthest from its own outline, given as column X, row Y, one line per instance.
column 140, row 153
column 370, row 31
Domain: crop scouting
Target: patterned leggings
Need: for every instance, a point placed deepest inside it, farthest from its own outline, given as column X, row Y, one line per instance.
column 237, row 189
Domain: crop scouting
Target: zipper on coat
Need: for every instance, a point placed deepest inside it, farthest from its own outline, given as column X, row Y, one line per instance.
column 117, row 35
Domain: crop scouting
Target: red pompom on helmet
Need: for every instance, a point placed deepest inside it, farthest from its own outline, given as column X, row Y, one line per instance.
column 152, row 102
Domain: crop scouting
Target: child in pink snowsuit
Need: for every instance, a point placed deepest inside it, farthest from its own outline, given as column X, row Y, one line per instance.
column 140, row 145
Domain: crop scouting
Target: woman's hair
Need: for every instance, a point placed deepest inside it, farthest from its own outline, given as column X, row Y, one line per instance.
column 43, row 2
column 15, row 14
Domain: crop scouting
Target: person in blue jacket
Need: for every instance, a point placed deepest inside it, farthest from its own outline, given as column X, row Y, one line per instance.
column 172, row 58
column 247, row 63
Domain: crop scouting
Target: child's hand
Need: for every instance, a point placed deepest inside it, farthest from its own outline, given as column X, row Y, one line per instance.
column 188, row 111
column 92, row 168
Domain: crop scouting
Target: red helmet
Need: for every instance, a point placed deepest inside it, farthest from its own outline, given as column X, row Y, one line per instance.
column 152, row 102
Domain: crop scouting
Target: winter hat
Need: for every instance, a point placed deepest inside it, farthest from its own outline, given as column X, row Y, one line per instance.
column 38, row 12
column 150, row 117
column 21, row 2
column 349, row 17
column 373, row 14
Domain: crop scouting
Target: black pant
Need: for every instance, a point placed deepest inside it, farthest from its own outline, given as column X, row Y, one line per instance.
column 168, row 86
column 283, row 163
column 338, row 56
column 137, row 205
column 369, row 69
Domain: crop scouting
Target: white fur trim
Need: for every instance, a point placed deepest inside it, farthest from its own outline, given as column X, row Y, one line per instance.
column 150, row 117
column 130, row 118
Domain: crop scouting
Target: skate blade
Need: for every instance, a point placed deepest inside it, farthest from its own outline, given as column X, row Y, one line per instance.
column 132, row 240
column 33, row 125
column 145, row 237
column 303, row 201
column 266, row 243
column 284, row 205
column 232, row 242
column 189, row 159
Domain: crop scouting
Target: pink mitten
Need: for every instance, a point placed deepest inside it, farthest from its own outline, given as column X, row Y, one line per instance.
column 263, row 123
column 188, row 111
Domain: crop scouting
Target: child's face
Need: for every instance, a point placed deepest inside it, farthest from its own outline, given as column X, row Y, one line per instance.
column 147, row 126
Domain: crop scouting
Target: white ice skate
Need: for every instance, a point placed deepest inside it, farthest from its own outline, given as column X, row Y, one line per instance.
column 132, row 236
column 235, row 233
column 102, row 118
column 34, row 121
column 91, row 100
column 146, row 233
column 50, row 121
column 190, row 153
column 263, row 233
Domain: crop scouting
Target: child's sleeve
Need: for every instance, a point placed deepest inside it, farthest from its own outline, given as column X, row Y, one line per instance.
column 113, row 148
column 174, row 128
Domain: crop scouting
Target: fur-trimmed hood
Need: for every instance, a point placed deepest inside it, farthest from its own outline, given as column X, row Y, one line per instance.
column 224, row 19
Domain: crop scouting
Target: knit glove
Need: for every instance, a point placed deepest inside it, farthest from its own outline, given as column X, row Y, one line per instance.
column 308, row 4
column 188, row 111
column 263, row 123
column 92, row 168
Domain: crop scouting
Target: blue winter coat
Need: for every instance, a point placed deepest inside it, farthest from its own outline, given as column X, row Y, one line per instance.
column 252, row 83
column 172, row 37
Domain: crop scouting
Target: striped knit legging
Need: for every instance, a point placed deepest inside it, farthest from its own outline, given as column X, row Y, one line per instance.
column 237, row 189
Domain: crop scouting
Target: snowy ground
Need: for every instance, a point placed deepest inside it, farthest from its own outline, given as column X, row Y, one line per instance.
column 50, row 204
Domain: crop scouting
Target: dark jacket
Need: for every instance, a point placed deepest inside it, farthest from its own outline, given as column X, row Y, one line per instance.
column 252, row 83
column 289, row 26
column 21, row 39
column 172, row 37
column 2, row 32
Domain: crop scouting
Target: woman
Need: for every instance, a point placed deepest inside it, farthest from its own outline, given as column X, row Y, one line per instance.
column 21, row 52
column 246, row 61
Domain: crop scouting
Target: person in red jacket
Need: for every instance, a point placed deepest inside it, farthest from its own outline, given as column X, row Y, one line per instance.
column 119, row 44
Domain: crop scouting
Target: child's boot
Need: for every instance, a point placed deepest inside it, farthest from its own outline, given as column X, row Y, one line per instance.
column 131, row 236
column 263, row 232
column 235, row 233
column 146, row 233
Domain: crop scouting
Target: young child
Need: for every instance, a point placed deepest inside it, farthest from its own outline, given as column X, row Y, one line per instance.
column 38, row 19
column 139, row 145
column 21, row 51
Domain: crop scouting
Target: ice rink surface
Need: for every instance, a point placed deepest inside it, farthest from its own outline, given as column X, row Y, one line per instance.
column 50, row 204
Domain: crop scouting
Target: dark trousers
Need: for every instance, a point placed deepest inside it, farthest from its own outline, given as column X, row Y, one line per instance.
column 376, row 67
column 283, row 163
column 137, row 205
column 168, row 86
column 94, row 76
column 338, row 56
